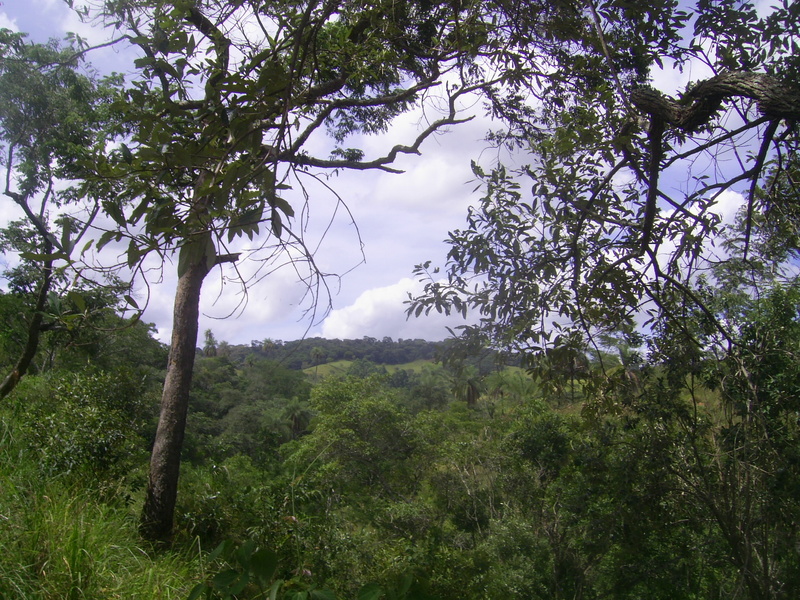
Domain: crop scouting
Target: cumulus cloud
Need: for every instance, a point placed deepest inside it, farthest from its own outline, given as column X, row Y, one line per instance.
column 380, row 312
column 7, row 22
column 401, row 220
column 275, row 307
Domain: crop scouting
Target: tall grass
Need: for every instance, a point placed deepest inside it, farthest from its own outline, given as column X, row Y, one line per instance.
column 61, row 539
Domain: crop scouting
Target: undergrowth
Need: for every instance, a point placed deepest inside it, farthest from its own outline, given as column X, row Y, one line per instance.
column 63, row 538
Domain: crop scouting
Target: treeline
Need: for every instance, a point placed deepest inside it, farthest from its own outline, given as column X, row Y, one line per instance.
column 253, row 405
column 301, row 354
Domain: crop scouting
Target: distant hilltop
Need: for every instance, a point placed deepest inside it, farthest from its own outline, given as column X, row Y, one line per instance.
column 301, row 354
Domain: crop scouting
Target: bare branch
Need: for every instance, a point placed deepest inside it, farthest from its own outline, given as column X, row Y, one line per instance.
column 756, row 172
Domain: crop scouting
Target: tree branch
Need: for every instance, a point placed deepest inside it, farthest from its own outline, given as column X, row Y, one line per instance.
column 774, row 99
column 655, row 136
column 756, row 171
column 34, row 327
column 380, row 163
column 341, row 103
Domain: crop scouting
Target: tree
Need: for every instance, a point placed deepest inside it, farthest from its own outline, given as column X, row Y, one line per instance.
column 210, row 344
column 318, row 356
column 53, row 124
column 628, row 183
column 298, row 414
column 226, row 98
column 465, row 383
column 360, row 426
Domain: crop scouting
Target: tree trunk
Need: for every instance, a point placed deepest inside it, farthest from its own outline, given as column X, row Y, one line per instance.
column 159, row 507
column 34, row 329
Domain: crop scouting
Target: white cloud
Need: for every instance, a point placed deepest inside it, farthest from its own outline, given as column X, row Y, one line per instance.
column 401, row 218
column 727, row 205
column 380, row 312
column 234, row 316
column 7, row 22
column 672, row 81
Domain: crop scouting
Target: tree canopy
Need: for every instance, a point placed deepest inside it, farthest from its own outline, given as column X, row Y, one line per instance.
column 619, row 212
column 54, row 123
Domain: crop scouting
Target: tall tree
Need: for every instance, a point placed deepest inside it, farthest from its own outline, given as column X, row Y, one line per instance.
column 627, row 184
column 210, row 343
column 225, row 101
column 53, row 125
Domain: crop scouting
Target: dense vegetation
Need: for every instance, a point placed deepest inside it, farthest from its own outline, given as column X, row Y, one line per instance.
column 620, row 421
column 301, row 354
column 660, row 477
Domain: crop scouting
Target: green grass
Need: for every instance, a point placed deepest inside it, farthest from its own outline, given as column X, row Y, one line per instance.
column 61, row 538
column 339, row 368
column 331, row 369
column 416, row 366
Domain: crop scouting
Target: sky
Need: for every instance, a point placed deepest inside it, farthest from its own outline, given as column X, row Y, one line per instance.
column 402, row 220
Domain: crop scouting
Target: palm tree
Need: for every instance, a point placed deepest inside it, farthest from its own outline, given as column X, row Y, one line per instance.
column 210, row 345
column 298, row 414
column 318, row 356
column 466, row 384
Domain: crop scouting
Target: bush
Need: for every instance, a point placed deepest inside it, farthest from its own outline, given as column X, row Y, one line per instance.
column 90, row 421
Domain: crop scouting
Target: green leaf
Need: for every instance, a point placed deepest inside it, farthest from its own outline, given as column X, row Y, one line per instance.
column 405, row 586
column 129, row 299
column 167, row 68
column 240, row 584
column 139, row 211
column 273, row 591
column 43, row 257
column 272, row 78
column 127, row 155
column 77, row 299
column 209, row 252
column 86, row 247
column 193, row 252
column 323, row 594
column 134, row 253
column 106, row 238
column 71, row 321
column 224, row 580
column 263, row 564
column 277, row 225
column 186, row 257
column 244, row 552
column 197, row 591
column 66, row 244
column 371, row 591
column 282, row 205
column 114, row 210
column 143, row 62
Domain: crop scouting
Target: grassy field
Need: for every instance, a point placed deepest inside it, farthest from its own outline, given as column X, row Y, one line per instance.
column 340, row 367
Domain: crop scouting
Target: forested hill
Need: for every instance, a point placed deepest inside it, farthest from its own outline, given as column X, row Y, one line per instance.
column 301, row 354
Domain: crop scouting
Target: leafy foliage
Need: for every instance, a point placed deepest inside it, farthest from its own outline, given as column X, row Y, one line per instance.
column 86, row 421
column 598, row 238
column 54, row 123
column 668, row 471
